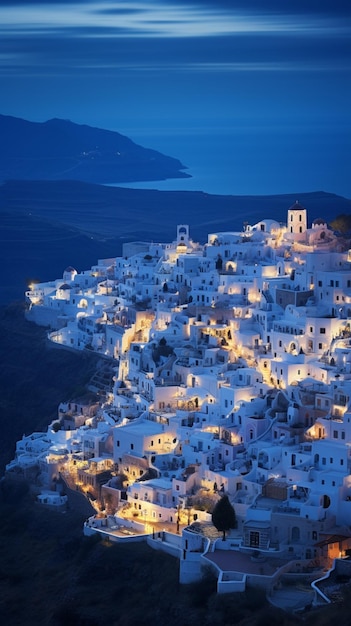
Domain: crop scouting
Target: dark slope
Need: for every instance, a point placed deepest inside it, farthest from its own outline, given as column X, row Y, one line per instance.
column 34, row 379
column 152, row 214
column 61, row 149
column 46, row 226
column 34, row 248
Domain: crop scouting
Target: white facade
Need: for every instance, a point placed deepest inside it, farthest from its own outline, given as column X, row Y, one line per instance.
column 232, row 373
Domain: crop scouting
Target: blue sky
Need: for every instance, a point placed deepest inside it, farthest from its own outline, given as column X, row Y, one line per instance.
column 153, row 69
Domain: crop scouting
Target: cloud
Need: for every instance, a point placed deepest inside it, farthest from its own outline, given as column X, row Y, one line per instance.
column 162, row 19
column 146, row 35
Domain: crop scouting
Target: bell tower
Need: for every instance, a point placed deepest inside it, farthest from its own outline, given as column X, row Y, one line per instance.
column 297, row 219
column 183, row 234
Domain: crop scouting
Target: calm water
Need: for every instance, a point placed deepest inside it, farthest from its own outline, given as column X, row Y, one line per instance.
column 254, row 161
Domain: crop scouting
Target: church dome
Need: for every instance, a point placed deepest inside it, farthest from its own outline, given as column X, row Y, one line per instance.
column 297, row 206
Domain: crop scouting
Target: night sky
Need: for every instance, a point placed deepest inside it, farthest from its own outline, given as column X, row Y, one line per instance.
column 257, row 90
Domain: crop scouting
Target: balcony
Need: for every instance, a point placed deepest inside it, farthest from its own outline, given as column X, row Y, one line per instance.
column 287, row 510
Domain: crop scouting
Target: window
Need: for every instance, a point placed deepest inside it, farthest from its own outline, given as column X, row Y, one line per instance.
column 295, row 533
column 254, row 539
column 322, row 331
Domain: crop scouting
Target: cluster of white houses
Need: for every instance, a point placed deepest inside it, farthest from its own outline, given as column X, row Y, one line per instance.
column 232, row 375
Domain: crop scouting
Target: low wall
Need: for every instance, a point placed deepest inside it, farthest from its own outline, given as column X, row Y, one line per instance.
column 343, row 567
column 231, row 582
column 166, row 542
column 190, row 570
column 139, row 527
column 228, row 544
column 263, row 582
column 108, row 527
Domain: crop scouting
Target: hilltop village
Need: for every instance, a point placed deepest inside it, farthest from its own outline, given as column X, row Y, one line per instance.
column 231, row 374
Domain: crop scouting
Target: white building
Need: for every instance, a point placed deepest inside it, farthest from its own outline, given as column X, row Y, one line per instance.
column 233, row 368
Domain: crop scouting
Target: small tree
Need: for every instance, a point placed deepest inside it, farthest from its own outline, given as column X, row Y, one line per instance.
column 223, row 516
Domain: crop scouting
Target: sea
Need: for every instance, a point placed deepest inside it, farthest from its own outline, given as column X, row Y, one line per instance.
column 253, row 161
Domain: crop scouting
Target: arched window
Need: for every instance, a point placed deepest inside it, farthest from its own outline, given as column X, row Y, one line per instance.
column 295, row 533
column 326, row 502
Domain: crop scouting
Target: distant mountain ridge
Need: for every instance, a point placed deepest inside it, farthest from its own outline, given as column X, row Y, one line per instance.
column 60, row 149
column 47, row 225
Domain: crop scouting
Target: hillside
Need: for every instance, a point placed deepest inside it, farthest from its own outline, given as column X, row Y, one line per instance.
column 61, row 578
column 59, row 149
column 47, row 225
column 34, row 379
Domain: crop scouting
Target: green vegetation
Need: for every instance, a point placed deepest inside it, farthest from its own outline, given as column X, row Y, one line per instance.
column 341, row 223
column 223, row 516
column 51, row 575
column 161, row 350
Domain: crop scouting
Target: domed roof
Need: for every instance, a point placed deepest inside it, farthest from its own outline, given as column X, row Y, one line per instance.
column 318, row 221
column 297, row 206
column 70, row 269
column 65, row 286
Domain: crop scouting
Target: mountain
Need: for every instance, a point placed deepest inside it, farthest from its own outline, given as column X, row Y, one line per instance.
column 48, row 225
column 59, row 149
